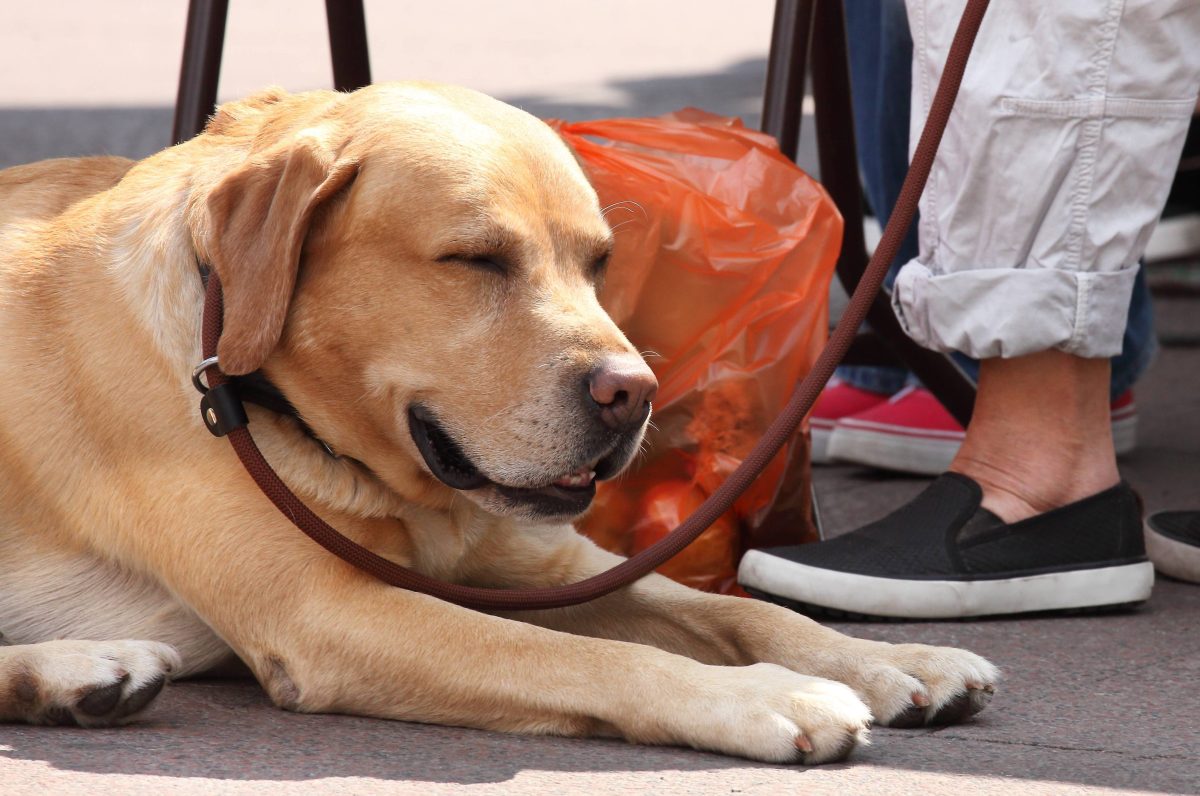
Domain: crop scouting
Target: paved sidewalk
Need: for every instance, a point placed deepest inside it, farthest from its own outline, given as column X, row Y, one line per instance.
column 1089, row 704
column 1102, row 704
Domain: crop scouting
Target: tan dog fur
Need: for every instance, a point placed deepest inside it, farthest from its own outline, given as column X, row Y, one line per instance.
column 120, row 517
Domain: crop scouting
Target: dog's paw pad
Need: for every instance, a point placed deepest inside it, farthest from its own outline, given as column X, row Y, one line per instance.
column 95, row 683
column 907, row 719
column 103, row 700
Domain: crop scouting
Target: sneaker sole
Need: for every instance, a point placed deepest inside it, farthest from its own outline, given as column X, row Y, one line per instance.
column 820, row 444
column 1173, row 557
column 1101, row 587
column 834, row 615
column 906, row 453
column 1124, row 432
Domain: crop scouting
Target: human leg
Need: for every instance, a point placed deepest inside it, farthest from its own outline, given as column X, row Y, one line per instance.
column 916, row 434
column 880, row 53
column 1047, row 188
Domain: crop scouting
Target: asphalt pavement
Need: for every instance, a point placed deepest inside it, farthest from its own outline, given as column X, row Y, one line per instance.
column 1089, row 704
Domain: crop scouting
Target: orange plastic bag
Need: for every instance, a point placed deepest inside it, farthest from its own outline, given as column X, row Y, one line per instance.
column 720, row 276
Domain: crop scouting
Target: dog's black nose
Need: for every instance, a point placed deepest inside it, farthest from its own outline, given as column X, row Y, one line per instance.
column 620, row 390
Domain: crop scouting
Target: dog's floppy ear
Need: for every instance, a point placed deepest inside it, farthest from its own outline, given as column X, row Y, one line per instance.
column 259, row 215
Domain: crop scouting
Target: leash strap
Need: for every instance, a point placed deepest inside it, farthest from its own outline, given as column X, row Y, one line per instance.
column 779, row 432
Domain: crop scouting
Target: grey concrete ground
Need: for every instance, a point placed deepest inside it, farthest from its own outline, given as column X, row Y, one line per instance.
column 1089, row 704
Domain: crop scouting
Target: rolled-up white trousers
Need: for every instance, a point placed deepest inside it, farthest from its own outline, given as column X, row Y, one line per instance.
column 1052, row 172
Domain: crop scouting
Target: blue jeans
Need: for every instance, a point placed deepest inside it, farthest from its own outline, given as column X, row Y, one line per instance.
column 881, row 78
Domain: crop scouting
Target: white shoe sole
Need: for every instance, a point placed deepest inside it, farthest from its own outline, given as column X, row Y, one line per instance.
column 1173, row 557
column 946, row 599
column 892, row 451
column 820, row 444
column 906, row 453
column 1124, row 431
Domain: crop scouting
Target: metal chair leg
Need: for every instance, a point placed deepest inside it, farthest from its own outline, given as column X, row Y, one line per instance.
column 204, row 42
column 201, row 68
column 348, row 44
column 783, row 97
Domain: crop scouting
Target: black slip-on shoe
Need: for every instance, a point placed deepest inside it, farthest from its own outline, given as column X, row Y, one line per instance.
column 1173, row 542
column 943, row 556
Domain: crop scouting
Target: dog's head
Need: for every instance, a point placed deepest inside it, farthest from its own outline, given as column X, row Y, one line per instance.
column 416, row 267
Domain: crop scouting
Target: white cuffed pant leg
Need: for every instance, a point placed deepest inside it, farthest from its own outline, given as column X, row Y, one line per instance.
column 1052, row 172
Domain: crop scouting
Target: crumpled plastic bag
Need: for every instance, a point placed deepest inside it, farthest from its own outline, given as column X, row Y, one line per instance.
column 720, row 276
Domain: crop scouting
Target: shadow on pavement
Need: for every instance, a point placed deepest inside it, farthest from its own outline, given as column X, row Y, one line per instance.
column 733, row 91
column 30, row 134
column 224, row 730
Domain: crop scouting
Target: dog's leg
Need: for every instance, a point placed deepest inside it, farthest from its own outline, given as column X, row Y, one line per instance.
column 904, row 684
column 336, row 640
column 49, row 593
column 89, row 683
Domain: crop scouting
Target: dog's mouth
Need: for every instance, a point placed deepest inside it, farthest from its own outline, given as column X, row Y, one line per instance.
column 569, row 494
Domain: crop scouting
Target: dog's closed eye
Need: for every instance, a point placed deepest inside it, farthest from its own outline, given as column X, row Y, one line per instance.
column 492, row 263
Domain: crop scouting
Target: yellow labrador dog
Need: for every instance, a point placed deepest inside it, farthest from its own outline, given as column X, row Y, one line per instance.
column 414, row 267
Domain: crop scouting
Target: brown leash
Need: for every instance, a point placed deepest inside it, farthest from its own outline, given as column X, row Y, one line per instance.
column 222, row 408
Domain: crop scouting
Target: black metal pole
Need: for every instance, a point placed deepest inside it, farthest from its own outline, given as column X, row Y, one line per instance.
column 348, row 44
column 783, row 96
column 202, row 45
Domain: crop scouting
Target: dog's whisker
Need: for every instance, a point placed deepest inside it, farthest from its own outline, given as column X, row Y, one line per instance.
column 614, row 209
column 624, row 205
column 622, row 224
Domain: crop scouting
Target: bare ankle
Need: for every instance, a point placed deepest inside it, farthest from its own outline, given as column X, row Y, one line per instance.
column 1041, row 435
column 1015, row 491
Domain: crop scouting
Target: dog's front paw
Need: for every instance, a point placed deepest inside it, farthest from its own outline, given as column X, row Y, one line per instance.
column 91, row 683
column 914, row 685
column 766, row 712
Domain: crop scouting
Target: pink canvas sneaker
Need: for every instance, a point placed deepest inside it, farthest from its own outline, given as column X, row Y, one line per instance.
column 912, row 433
column 836, row 401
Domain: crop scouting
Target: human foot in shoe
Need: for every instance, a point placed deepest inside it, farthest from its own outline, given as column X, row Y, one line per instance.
column 1032, row 517
column 1173, row 543
column 944, row 556
column 1040, row 436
